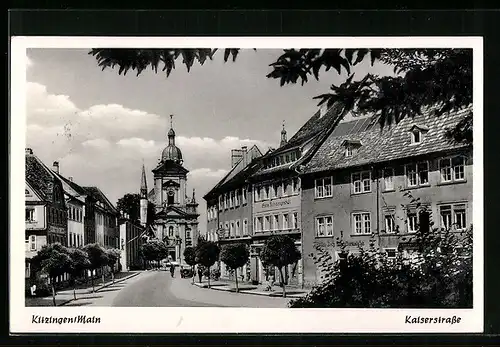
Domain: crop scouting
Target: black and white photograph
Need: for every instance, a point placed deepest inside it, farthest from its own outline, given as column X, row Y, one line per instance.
column 341, row 181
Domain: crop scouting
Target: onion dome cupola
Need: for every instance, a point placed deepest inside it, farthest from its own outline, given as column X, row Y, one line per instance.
column 171, row 152
column 283, row 136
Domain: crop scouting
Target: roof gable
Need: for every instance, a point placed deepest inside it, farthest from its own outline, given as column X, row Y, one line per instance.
column 39, row 177
column 31, row 194
column 98, row 195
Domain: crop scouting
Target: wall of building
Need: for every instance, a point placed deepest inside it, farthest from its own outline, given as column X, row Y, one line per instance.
column 377, row 203
column 75, row 224
column 130, row 243
column 39, row 221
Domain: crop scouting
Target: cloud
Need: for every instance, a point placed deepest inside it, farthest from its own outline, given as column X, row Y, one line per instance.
column 105, row 145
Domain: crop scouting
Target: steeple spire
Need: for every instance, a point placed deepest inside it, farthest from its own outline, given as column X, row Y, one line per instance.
column 283, row 135
column 194, row 197
column 144, row 186
column 171, row 132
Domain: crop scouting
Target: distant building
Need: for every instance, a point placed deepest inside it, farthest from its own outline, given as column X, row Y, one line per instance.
column 176, row 214
column 106, row 219
column 132, row 236
column 45, row 212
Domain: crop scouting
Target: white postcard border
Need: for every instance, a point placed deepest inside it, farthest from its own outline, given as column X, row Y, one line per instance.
column 233, row 320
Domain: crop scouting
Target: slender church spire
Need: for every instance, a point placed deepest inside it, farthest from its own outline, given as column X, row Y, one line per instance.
column 283, row 136
column 144, row 186
column 171, row 132
column 194, row 197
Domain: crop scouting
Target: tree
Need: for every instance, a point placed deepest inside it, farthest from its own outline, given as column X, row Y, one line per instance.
column 79, row 263
column 437, row 78
column 190, row 258
column 130, row 204
column 98, row 259
column 154, row 250
column 207, row 253
column 280, row 251
column 113, row 256
column 235, row 256
column 54, row 260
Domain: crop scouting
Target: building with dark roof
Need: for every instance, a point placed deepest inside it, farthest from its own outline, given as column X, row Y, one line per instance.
column 45, row 211
column 229, row 214
column 369, row 184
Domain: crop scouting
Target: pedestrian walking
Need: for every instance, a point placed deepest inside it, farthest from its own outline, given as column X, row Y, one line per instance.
column 172, row 270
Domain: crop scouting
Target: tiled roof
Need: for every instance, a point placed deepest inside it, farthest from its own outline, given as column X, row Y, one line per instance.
column 313, row 127
column 98, row 195
column 386, row 143
column 70, row 187
column 39, row 177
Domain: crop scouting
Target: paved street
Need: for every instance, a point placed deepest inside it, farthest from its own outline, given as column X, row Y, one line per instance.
column 157, row 288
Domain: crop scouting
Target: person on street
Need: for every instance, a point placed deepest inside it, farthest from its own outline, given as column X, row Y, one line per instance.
column 200, row 273
column 172, row 270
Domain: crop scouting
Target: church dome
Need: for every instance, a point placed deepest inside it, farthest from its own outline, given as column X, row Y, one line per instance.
column 171, row 152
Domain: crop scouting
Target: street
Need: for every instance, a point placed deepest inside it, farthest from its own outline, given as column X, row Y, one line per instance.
column 159, row 289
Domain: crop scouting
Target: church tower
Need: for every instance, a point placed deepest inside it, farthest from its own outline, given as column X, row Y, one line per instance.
column 283, row 136
column 176, row 215
column 144, row 198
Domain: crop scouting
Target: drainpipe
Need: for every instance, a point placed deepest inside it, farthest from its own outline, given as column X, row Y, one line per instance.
column 296, row 169
column 378, row 204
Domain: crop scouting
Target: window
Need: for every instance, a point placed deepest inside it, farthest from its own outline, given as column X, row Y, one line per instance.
column 388, row 175
column 244, row 195
column 295, row 220
column 412, row 222
column 32, row 242
column 220, row 203
column 30, row 215
column 256, row 191
column 285, row 222
column 231, row 229
column 348, row 151
column 260, row 223
column 453, row 216
column 416, row 136
column 324, row 226
column 170, row 231
column 285, row 188
column 267, row 223
column 238, row 228
column 452, row 169
column 170, row 197
column 276, row 222
column 188, row 234
column 295, row 186
column 324, row 187
column 231, row 199
column 361, row 223
column 275, row 190
column 267, row 192
column 391, row 253
column 390, row 227
column 361, row 182
column 245, row 227
column 417, row 174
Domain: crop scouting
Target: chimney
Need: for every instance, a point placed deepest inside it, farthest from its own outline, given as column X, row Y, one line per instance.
column 244, row 150
column 70, row 178
column 236, row 155
column 55, row 167
column 28, row 151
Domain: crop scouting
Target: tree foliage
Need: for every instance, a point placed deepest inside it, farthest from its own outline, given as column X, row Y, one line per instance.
column 79, row 263
column 130, row 204
column 154, row 250
column 434, row 272
column 440, row 79
column 97, row 257
column 190, row 256
column 280, row 251
column 235, row 256
column 207, row 253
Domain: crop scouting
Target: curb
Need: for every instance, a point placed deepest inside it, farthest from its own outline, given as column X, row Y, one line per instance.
column 104, row 286
column 270, row 295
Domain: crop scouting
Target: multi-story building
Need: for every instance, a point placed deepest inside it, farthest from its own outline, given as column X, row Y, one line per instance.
column 105, row 219
column 362, row 183
column 132, row 236
column 75, row 197
column 276, row 188
column 229, row 207
column 45, row 214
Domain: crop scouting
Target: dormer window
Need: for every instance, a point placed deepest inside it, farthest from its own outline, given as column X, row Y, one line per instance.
column 351, row 146
column 417, row 133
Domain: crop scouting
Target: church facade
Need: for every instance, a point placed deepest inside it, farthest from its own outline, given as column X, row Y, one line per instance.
column 175, row 219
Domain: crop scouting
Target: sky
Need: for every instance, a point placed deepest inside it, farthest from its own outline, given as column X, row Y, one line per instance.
column 102, row 126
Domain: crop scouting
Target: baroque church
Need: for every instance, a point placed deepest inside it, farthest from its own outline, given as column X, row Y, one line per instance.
column 176, row 214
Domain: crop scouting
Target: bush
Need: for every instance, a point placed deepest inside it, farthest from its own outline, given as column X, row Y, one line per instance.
column 215, row 274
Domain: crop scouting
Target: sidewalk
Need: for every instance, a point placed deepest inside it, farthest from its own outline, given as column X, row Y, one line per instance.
column 246, row 288
column 66, row 296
